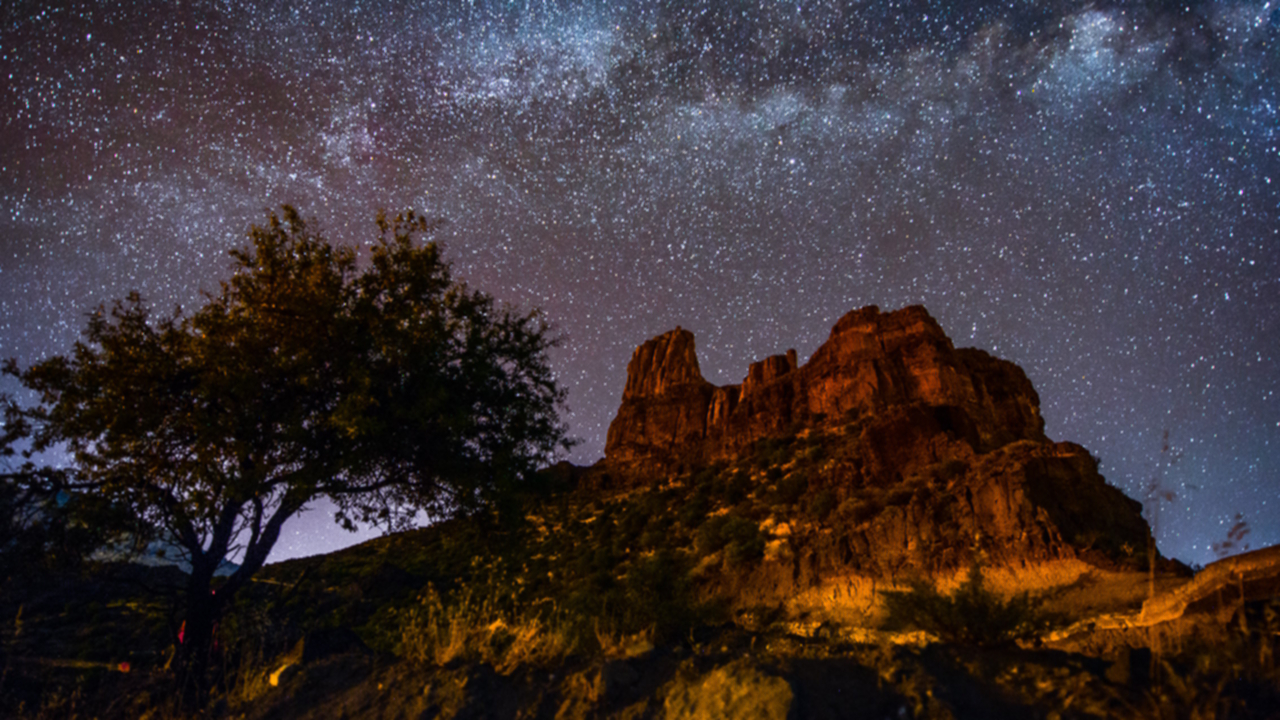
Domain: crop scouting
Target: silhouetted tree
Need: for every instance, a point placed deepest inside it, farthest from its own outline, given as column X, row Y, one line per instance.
column 389, row 388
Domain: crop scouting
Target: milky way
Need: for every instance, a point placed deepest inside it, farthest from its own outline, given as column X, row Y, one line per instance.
column 1091, row 190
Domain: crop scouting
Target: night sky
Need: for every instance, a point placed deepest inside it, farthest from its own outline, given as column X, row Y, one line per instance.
column 1088, row 189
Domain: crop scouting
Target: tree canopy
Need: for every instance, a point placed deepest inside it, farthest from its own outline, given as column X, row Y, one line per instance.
column 387, row 386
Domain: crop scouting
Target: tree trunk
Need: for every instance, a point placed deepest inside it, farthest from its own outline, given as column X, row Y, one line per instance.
column 196, row 643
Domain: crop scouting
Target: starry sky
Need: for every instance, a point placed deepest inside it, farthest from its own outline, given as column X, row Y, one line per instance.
column 1088, row 189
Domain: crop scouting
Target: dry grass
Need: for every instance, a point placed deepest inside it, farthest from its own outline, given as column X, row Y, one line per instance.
column 470, row 628
column 621, row 645
column 473, row 627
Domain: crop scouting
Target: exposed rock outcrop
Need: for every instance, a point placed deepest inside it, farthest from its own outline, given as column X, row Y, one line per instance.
column 1248, row 576
column 735, row 690
column 935, row 456
column 664, row 406
column 872, row 363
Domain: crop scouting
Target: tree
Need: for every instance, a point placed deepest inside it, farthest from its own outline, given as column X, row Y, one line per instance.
column 43, row 526
column 35, row 531
column 389, row 388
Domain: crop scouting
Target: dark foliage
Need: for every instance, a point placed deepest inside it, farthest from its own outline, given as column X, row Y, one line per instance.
column 738, row 536
column 737, row 487
column 388, row 388
column 972, row 615
column 43, row 526
column 695, row 510
column 792, row 488
column 657, row 594
column 823, row 503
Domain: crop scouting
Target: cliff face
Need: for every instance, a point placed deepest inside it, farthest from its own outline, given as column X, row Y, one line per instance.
column 872, row 364
column 664, row 406
column 935, row 456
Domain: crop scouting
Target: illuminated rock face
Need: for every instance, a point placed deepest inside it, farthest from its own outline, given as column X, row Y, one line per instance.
column 873, row 362
column 936, row 455
column 664, row 407
column 662, row 365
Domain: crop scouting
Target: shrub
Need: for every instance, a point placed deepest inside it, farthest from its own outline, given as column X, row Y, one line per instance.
column 745, row 551
column 653, row 598
column 705, row 476
column 738, row 487
column 792, row 487
column 694, row 511
column 710, row 535
column 772, row 451
column 634, row 520
column 658, row 598
column 744, row 543
column 823, row 503
column 972, row 615
column 738, row 536
column 475, row 628
column 655, row 536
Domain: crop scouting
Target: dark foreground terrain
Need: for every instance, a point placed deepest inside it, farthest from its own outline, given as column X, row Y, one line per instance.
column 375, row 632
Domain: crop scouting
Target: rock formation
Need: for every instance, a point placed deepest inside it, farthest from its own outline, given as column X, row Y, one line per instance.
column 936, row 456
column 874, row 363
column 664, row 406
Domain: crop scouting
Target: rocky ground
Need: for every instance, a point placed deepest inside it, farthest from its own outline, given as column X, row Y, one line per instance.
column 354, row 635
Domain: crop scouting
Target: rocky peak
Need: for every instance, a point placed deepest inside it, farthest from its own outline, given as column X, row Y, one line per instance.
column 767, row 370
column 664, row 405
column 661, row 364
column 873, row 361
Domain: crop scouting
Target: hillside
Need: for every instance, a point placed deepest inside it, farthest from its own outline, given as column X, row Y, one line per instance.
column 768, row 549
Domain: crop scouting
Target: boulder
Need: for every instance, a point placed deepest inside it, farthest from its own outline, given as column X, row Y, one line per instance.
column 736, row 690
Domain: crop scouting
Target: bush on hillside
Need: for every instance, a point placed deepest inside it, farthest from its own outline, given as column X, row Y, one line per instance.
column 793, row 487
column 738, row 536
column 823, row 503
column 738, row 487
column 972, row 615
